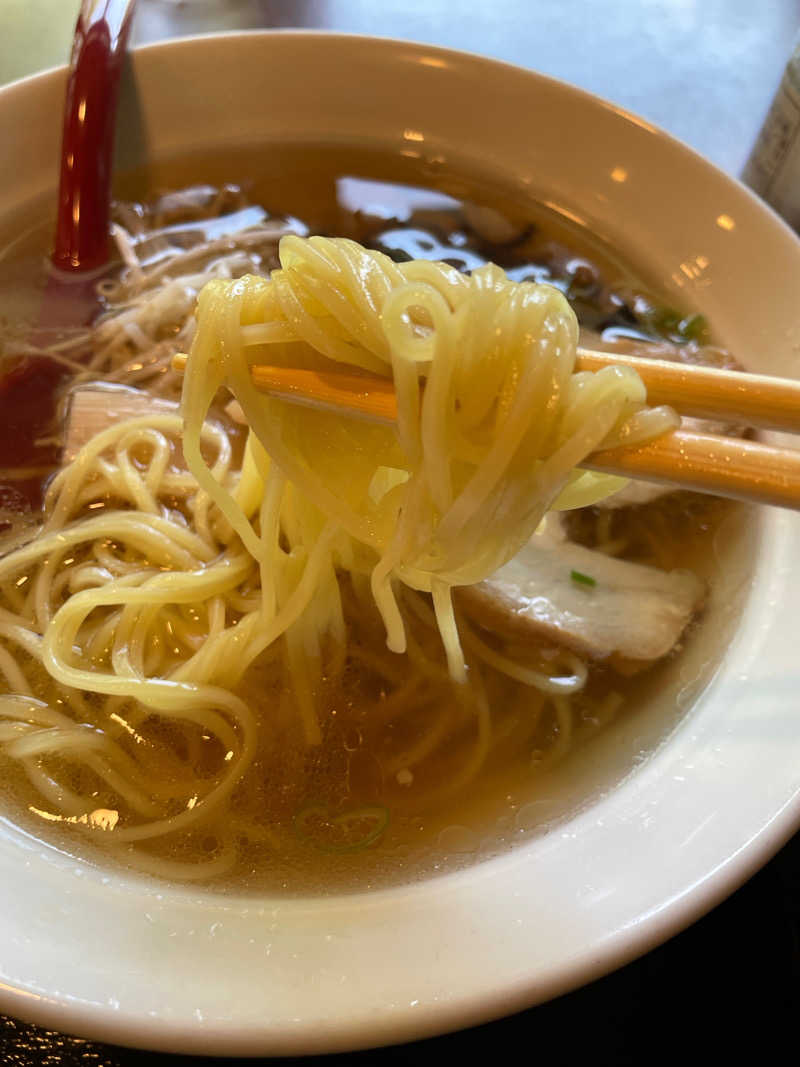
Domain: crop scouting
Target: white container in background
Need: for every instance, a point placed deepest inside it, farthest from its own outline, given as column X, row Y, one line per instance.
column 773, row 169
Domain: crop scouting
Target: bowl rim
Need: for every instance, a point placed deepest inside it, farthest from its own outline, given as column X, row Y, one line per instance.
column 179, row 1036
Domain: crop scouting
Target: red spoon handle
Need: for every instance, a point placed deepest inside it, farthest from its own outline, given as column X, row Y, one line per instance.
column 84, row 196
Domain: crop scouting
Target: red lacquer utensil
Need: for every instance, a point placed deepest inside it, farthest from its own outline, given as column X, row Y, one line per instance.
column 84, row 195
column 29, row 382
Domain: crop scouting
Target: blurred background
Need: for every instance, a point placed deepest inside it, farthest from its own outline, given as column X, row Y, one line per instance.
column 705, row 70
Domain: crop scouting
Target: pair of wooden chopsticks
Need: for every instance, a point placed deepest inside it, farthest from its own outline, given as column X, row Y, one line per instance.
column 723, row 466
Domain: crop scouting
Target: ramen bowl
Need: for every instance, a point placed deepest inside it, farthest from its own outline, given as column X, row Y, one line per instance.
column 649, row 826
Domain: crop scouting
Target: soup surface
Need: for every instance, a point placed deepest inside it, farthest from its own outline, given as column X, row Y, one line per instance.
column 406, row 781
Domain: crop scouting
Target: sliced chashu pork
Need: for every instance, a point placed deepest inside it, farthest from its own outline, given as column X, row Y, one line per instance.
column 632, row 614
column 90, row 409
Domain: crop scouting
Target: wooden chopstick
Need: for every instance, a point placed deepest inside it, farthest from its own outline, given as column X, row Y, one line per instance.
column 705, row 463
column 704, row 392
column 723, row 466
column 710, row 392
column 364, row 395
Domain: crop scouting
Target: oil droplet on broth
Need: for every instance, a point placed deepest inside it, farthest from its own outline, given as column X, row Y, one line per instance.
column 458, row 839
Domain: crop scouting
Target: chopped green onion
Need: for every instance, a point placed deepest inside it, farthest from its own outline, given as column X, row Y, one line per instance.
column 670, row 323
column 665, row 319
column 350, row 831
column 582, row 579
column 693, row 327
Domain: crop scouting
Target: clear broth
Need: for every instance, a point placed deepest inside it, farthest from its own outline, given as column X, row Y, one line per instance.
column 408, row 209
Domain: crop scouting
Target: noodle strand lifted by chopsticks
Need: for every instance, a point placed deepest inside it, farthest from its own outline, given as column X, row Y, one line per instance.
column 478, row 457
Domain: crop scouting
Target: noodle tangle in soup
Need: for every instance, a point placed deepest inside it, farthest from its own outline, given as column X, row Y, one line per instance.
column 236, row 632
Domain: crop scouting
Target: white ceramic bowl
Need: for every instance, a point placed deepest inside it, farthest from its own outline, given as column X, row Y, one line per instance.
column 184, row 969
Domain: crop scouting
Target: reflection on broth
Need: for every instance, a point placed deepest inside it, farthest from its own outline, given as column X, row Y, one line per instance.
column 330, row 761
